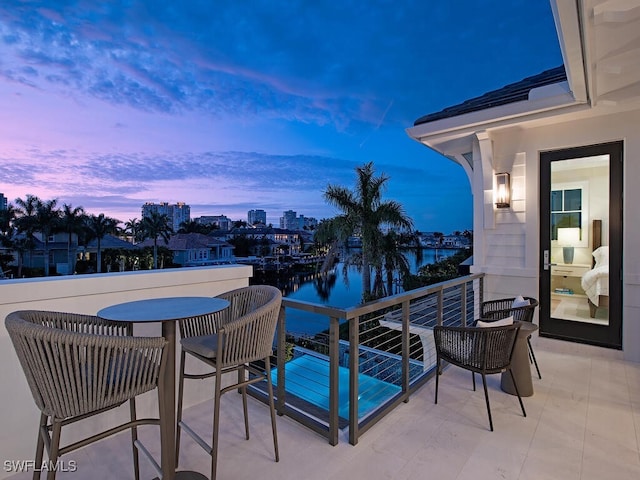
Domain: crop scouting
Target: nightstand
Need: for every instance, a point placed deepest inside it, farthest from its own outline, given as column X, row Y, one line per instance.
column 565, row 279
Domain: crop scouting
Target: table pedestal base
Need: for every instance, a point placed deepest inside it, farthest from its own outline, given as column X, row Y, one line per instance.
column 520, row 365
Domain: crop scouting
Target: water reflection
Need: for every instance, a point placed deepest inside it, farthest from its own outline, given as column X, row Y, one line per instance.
column 342, row 286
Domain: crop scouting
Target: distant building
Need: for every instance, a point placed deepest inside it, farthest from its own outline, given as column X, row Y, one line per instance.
column 178, row 213
column 3, row 202
column 256, row 216
column 291, row 221
column 275, row 240
column 221, row 221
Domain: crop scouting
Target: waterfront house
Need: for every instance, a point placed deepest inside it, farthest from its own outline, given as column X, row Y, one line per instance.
column 568, row 141
column 277, row 241
column 195, row 249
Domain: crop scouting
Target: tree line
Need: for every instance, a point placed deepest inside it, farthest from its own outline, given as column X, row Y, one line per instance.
column 21, row 220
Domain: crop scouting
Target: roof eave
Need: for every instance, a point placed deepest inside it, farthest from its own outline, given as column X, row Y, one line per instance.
column 544, row 101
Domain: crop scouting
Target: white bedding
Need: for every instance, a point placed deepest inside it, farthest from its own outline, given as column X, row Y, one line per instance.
column 595, row 283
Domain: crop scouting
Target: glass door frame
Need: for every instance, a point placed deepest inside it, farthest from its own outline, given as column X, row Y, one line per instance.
column 602, row 335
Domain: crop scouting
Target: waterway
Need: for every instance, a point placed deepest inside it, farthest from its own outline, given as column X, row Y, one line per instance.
column 341, row 288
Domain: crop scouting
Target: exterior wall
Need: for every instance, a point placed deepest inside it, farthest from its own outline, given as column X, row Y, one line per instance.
column 508, row 249
column 88, row 294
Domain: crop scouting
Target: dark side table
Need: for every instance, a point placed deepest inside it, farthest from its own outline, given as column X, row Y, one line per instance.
column 520, row 364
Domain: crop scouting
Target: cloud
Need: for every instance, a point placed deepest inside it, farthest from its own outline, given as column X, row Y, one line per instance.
column 230, row 104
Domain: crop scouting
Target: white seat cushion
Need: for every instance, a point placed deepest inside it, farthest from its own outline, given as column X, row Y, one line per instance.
column 497, row 323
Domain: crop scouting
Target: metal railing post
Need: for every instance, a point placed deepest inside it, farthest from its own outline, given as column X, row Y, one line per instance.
column 334, row 383
column 463, row 304
column 281, row 360
column 354, row 367
column 405, row 349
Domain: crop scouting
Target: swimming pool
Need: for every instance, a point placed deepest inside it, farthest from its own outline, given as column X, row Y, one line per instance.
column 307, row 377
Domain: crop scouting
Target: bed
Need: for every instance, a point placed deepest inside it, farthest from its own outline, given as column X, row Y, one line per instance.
column 595, row 282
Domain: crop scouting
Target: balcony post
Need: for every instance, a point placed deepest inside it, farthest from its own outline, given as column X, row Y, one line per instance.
column 281, row 360
column 405, row 350
column 463, row 304
column 354, row 367
column 334, row 358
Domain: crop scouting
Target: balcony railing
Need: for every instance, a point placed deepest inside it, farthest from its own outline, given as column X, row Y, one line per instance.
column 361, row 362
column 382, row 351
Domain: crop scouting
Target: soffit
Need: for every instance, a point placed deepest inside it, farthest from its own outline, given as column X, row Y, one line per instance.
column 612, row 40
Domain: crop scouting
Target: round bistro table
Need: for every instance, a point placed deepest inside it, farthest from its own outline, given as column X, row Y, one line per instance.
column 167, row 311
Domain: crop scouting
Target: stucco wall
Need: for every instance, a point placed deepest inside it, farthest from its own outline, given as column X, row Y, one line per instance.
column 88, row 294
column 512, row 248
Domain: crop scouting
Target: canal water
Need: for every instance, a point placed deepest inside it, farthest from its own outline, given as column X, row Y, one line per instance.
column 339, row 290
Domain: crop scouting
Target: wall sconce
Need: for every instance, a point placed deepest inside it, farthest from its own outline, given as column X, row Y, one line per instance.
column 503, row 190
column 567, row 238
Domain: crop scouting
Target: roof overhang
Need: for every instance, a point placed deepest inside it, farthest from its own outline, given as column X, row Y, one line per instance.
column 452, row 136
column 600, row 45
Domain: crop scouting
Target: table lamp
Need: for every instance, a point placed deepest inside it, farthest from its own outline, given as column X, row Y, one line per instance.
column 567, row 238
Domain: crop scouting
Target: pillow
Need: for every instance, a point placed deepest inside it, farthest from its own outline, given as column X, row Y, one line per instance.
column 519, row 301
column 498, row 323
column 601, row 256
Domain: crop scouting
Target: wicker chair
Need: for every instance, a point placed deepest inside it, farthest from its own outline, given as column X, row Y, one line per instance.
column 483, row 350
column 78, row 366
column 503, row 308
column 230, row 340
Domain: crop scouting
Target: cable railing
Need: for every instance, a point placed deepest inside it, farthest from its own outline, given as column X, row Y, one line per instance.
column 349, row 367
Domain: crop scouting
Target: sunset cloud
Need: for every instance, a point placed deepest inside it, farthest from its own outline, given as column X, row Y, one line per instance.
column 238, row 105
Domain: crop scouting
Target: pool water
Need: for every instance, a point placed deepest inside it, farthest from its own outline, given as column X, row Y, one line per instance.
column 307, row 377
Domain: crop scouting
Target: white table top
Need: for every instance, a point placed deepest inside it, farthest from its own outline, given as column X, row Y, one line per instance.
column 162, row 309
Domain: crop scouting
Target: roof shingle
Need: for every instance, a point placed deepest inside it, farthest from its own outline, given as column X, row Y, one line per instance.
column 515, row 92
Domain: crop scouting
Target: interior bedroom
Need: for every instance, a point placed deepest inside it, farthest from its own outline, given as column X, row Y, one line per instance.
column 579, row 239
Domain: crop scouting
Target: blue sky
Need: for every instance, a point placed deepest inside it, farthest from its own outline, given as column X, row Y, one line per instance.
column 230, row 106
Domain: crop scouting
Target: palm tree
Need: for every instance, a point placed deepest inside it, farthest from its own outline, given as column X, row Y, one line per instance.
column 7, row 216
column 25, row 221
column 365, row 212
column 47, row 223
column 156, row 225
column 133, row 227
column 71, row 222
column 392, row 260
column 100, row 226
column 192, row 226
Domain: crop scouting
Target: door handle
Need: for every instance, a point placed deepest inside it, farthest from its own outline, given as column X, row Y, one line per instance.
column 545, row 257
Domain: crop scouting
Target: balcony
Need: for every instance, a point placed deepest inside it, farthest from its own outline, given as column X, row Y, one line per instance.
column 583, row 420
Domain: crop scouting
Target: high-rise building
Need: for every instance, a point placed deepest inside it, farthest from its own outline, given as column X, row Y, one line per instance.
column 291, row 221
column 3, row 202
column 178, row 213
column 256, row 216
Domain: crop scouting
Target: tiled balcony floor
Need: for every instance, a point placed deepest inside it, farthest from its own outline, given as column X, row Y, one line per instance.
column 583, row 422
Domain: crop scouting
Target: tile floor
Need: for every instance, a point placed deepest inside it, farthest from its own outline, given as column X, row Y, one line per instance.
column 583, row 423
